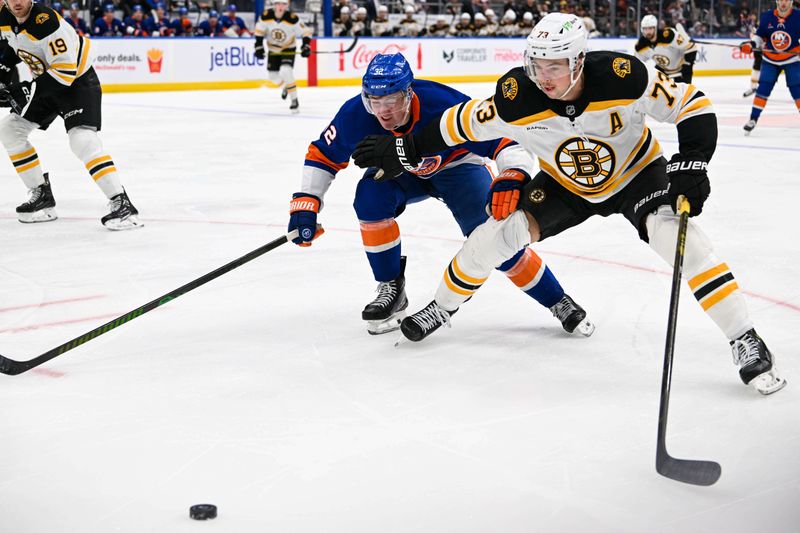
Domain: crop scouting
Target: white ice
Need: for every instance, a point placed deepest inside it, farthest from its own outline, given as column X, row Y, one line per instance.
column 262, row 392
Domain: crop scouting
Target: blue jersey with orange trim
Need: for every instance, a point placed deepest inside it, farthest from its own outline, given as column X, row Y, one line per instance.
column 780, row 36
column 331, row 152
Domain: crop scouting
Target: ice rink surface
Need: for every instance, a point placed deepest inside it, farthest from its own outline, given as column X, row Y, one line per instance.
column 263, row 393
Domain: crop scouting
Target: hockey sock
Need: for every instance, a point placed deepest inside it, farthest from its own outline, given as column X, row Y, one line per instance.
column 754, row 78
column 382, row 243
column 528, row 272
column 86, row 145
column 711, row 281
column 26, row 163
column 759, row 102
column 287, row 75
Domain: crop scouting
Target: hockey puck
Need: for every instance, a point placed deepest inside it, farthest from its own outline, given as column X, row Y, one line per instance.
column 203, row 511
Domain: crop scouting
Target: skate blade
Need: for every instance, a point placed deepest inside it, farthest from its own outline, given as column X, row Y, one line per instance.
column 122, row 224
column 42, row 215
column 768, row 382
column 379, row 327
column 585, row 328
column 295, row 111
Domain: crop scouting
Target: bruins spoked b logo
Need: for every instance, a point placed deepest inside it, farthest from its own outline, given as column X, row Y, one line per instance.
column 586, row 161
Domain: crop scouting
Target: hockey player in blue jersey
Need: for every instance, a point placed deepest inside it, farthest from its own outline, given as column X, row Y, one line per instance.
column 777, row 36
column 392, row 100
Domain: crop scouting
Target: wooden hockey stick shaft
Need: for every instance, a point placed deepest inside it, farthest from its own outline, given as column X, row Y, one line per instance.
column 12, row 367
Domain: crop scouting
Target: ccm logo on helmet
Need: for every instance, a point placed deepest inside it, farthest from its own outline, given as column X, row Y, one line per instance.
column 401, row 154
column 687, row 165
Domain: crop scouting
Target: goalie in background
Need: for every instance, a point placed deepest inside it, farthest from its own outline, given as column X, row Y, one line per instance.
column 391, row 100
column 64, row 84
column 282, row 28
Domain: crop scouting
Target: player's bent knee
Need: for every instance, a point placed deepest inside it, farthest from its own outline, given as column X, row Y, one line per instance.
column 495, row 241
column 662, row 231
column 14, row 130
column 287, row 74
column 84, row 142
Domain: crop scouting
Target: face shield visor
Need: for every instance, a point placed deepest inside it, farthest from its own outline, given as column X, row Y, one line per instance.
column 392, row 109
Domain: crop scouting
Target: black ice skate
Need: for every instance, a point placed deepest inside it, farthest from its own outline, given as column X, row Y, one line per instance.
column 750, row 126
column 422, row 323
column 40, row 206
column 295, row 107
column 572, row 316
column 123, row 215
column 756, row 363
column 385, row 312
column 284, row 92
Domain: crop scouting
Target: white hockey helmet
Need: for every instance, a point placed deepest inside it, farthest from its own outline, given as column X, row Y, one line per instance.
column 557, row 36
column 648, row 21
column 509, row 15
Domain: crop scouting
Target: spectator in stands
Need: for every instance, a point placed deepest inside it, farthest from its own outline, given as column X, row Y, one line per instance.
column 381, row 27
column 135, row 25
column 74, row 19
column 108, row 25
column 471, row 7
column 232, row 24
column 508, row 26
column 343, row 26
column 182, row 26
column 360, row 23
column 463, row 28
column 528, row 6
column 588, row 22
column 126, row 6
column 337, row 8
column 159, row 24
column 210, row 27
column 96, row 9
column 409, row 27
column 526, row 25
column 440, row 28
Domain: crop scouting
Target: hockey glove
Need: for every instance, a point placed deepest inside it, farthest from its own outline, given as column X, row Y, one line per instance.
column 391, row 155
column 688, row 176
column 305, row 50
column 303, row 211
column 747, row 47
column 16, row 96
column 505, row 191
column 259, row 53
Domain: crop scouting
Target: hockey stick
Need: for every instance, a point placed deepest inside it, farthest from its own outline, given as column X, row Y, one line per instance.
column 12, row 367
column 737, row 46
column 349, row 48
column 685, row 470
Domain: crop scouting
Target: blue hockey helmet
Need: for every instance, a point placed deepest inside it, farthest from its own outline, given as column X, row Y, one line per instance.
column 387, row 74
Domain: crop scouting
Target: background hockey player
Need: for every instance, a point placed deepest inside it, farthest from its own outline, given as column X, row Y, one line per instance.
column 671, row 49
column 392, row 100
column 777, row 36
column 64, row 84
column 282, row 28
column 583, row 115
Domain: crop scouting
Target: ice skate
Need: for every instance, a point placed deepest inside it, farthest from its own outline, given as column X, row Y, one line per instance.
column 123, row 214
column 40, row 206
column 384, row 313
column 756, row 364
column 422, row 323
column 295, row 107
column 572, row 316
column 750, row 126
column 284, row 92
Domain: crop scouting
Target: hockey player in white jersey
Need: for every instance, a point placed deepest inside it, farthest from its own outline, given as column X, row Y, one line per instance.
column 64, row 84
column 583, row 115
column 282, row 28
column 672, row 50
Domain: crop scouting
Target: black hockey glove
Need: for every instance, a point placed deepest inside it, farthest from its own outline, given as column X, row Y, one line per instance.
column 305, row 50
column 391, row 155
column 15, row 96
column 688, row 176
column 259, row 53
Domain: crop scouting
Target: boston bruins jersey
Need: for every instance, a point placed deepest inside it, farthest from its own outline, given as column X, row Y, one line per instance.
column 47, row 44
column 668, row 52
column 597, row 144
column 281, row 34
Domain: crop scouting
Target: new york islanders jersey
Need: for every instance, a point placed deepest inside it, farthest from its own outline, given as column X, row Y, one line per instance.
column 331, row 152
column 281, row 34
column 778, row 37
column 668, row 52
column 595, row 145
column 47, row 44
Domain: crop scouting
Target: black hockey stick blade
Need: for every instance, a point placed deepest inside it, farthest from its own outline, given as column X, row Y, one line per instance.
column 703, row 473
column 12, row 367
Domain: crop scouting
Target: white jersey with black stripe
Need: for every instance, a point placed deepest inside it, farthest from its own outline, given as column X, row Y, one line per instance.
column 47, row 44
